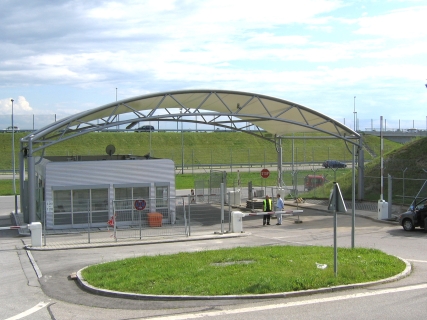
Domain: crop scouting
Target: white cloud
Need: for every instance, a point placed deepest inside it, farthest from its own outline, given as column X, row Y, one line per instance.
column 20, row 106
column 305, row 50
column 409, row 23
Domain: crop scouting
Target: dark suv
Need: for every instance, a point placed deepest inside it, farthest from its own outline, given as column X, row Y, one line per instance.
column 416, row 216
column 145, row 129
column 334, row 164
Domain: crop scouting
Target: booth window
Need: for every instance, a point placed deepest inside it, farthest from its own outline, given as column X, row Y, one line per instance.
column 162, row 199
column 80, row 206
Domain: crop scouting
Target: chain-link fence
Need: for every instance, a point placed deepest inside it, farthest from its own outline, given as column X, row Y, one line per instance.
column 130, row 222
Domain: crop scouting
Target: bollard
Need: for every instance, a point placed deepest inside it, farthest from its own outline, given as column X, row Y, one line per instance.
column 36, row 234
column 237, row 226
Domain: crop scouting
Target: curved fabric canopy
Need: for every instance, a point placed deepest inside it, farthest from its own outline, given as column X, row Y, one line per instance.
column 272, row 117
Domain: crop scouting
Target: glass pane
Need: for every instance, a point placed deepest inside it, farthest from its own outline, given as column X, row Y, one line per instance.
column 162, row 195
column 99, row 216
column 141, row 193
column 123, row 193
column 81, row 200
column 62, row 201
column 80, row 218
column 61, row 219
column 99, row 199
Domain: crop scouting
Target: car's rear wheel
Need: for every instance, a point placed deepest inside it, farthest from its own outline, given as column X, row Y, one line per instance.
column 425, row 224
column 408, row 225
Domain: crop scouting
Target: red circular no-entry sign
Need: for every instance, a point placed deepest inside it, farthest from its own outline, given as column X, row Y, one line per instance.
column 140, row 204
column 265, row 173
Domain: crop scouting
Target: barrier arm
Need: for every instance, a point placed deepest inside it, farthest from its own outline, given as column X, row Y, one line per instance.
column 286, row 213
column 13, row 227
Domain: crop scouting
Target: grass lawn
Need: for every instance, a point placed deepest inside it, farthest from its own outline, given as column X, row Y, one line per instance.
column 239, row 271
column 6, row 187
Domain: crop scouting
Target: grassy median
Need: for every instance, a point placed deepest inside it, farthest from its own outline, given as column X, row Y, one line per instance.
column 243, row 270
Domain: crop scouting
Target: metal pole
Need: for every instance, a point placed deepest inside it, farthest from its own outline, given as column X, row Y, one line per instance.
column 353, row 196
column 13, row 163
column 335, row 230
column 182, row 145
column 382, row 160
column 189, row 213
column 390, row 196
column 21, row 174
column 31, row 183
column 88, row 222
column 354, row 113
column 279, row 164
column 231, row 160
column 222, row 207
column 403, row 202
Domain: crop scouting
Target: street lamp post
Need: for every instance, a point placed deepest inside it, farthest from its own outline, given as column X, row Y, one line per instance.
column 13, row 162
column 355, row 114
column 182, row 144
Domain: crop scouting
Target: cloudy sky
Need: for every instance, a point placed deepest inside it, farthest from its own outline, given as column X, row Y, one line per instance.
column 62, row 57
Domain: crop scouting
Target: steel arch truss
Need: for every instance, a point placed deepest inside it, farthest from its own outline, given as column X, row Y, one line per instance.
column 241, row 111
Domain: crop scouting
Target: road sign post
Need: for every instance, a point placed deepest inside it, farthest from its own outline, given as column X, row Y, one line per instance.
column 336, row 203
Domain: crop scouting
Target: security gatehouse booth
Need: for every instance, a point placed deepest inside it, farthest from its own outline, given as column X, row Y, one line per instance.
column 77, row 191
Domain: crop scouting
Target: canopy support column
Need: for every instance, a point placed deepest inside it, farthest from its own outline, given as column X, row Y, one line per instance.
column 31, row 182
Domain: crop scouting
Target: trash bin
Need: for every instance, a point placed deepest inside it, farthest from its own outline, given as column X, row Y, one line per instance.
column 382, row 210
column 237, row 225
column 155, row 219
column 36, row 234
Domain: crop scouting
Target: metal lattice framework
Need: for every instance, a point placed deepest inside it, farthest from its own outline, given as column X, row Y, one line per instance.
column 271, row 117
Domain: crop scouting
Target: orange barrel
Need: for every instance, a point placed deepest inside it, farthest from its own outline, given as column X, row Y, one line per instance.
column 155, row 219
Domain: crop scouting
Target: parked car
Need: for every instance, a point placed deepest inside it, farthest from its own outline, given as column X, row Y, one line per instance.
column 334, row 164
column 145, row 129
column 416, row 216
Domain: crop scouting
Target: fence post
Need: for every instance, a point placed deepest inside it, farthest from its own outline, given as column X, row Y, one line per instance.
column 390, row 196
column 222, row 207
column 88, row 222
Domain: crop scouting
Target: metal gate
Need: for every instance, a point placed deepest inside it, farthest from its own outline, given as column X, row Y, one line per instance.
column 210, row 191
column 131, row 221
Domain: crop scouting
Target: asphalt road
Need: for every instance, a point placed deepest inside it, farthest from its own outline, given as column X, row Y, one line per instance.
column 21, row 290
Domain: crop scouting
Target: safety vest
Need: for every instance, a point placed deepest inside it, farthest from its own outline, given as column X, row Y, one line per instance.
column 267, row 205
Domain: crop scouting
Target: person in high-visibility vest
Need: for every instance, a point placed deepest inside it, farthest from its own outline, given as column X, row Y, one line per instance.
column 267, row 207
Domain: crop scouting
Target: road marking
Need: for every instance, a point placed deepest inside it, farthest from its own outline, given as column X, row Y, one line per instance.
column 36, row 308
column 422, row 261
column 289, row 304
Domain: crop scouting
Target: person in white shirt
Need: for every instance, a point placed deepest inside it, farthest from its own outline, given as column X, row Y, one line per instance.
column 280, row 206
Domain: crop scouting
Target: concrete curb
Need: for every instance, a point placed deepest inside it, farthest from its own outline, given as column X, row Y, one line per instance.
column 135, row 242
column 135, row 296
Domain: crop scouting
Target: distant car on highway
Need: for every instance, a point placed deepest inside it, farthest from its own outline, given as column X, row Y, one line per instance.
column 334, row 164
column 145, row 129
column 9, row 129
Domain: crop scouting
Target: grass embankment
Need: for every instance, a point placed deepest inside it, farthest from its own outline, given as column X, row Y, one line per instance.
column 239, row 271
column 206, row 148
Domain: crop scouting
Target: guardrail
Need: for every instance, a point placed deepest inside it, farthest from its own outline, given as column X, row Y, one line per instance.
column 222, row 165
